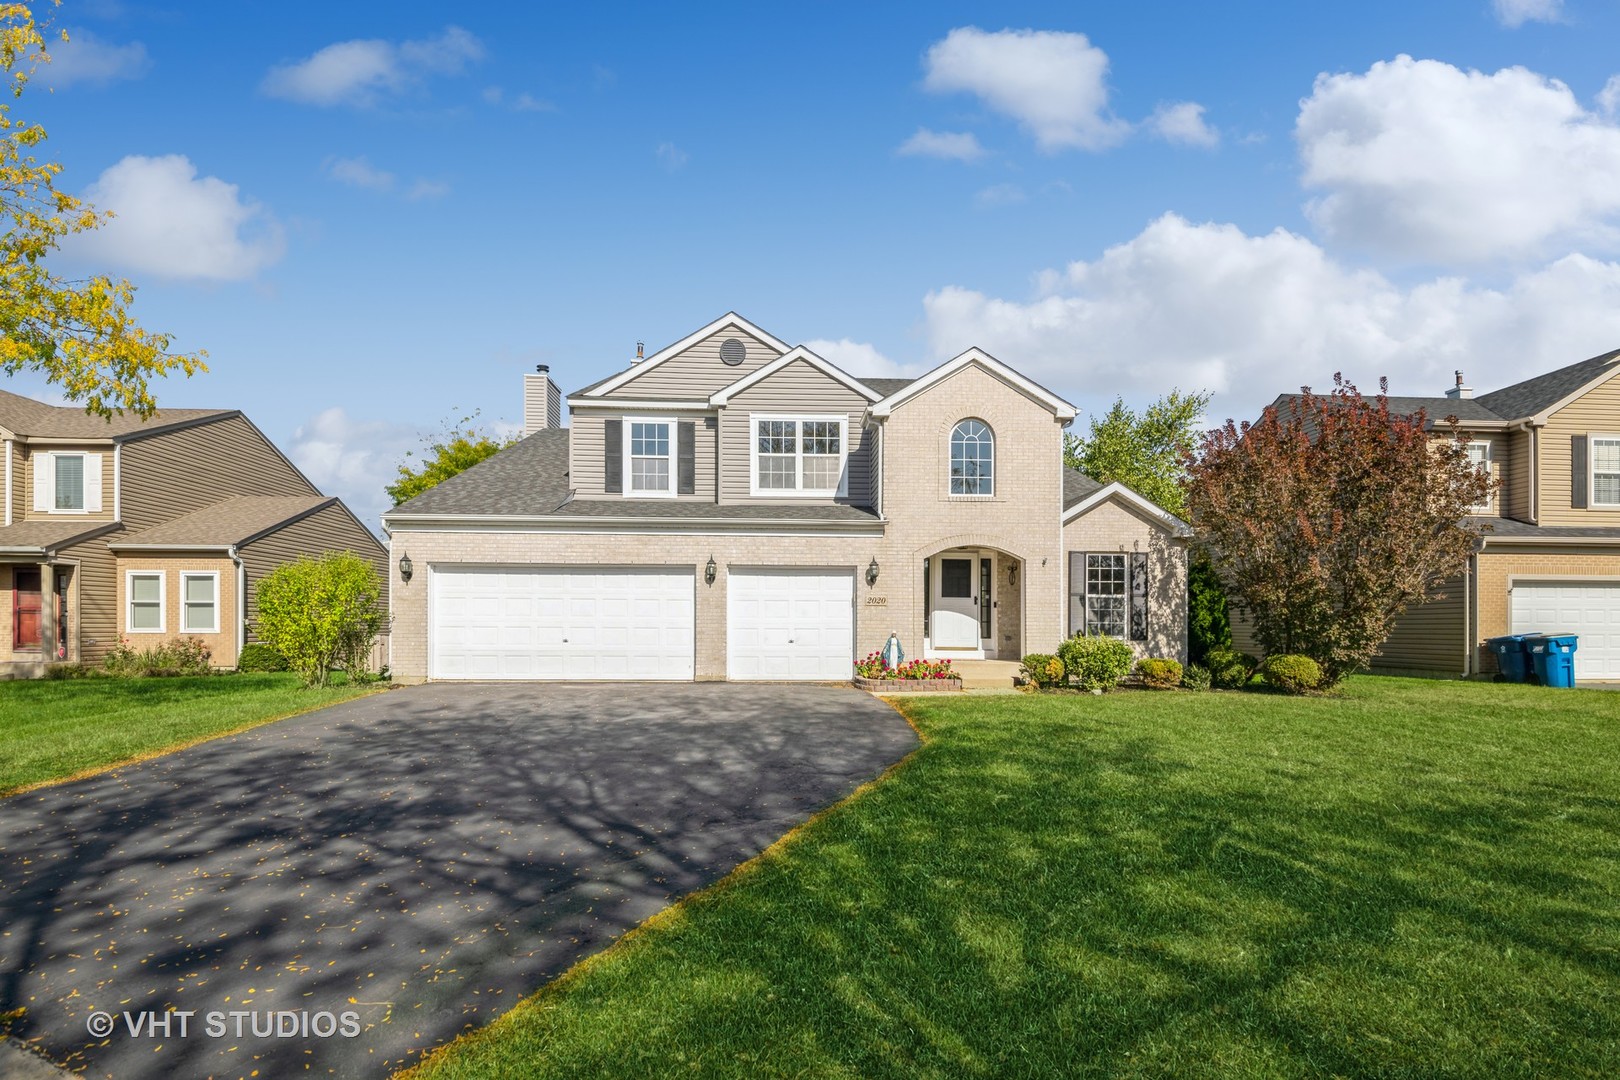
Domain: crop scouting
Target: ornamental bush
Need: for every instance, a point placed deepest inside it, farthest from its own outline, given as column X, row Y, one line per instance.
column 181, row 656
column 321, row 614
column 1095, row 663
column 1195, row 677
column 1230, row 669
column 1292, row 674
column 1159, row 674
column 259, row 657
column 1043, row 670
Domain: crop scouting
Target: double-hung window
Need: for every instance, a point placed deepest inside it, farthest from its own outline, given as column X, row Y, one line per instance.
column 800, row 455
column 649, row 451
column 1108, row 594
column 143, row 595
column 199, row 603
column 1605, row 451
column 1479, row 455
column 69, row 481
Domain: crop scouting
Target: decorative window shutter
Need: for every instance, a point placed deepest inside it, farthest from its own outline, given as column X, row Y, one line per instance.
column 1077, row 593
column 1139, row 596
column 613, row 456
column 686, row 457
column 1578, row 472
column 92, row 483
column 44, row 482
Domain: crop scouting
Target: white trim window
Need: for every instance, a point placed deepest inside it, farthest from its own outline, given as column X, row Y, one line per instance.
column 649, row 457
column 67, row 482
column 144, row 602
column 1479, row 456
column 1605, row 454
column 799, row 455
column 973, row 458
column 199, row 602
column 69, row 486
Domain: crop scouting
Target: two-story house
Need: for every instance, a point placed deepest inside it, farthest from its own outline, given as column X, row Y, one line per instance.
column 733, row 506
column 147, row 530
column 1549, row 559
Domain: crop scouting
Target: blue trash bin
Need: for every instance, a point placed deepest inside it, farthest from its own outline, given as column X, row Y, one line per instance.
column 1553, row 657
column 1512, row 656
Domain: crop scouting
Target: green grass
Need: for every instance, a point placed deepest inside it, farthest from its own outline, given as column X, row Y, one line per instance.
column 1415, row 879
column 53, row 730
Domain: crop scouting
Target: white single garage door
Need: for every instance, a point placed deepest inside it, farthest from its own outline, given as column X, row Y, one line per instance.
column 1588, row 608
column 790, row 624
column 529, row 622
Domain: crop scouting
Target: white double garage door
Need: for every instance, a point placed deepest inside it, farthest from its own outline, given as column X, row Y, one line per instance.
column 1590, row 609
column 534, row 622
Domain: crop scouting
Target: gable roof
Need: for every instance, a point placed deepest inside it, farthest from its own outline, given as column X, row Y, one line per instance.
column 976, row 357
column 792, row 356
column 1128, row 496
column 226, row 523
column 888, row 387
column 730, row 318
column 1539, row 394
column 35, row 419
column 1077, row 486
column 39, row 537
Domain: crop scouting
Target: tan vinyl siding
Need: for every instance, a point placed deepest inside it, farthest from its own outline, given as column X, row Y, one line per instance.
column 96, row 586
column 699, row 371
column 330, row 529
column 1595, row 413
column 1429, row 637
column 22, row 481
column 180, row 471
column 799, row 388
column 1514, row 495
column 585, row 471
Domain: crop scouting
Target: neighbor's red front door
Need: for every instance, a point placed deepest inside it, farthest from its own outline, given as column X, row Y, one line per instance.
column 26, row 607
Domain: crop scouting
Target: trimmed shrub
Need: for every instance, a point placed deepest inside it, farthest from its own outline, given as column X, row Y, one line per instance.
column 1043, row 670
column 1292, row 674
column 1095, row 663
column 322, row 614
column 1159, row 674
column 71, row 671
column 1195, row 677
column 259, row 657
column 181, row 656
column 1230, row 669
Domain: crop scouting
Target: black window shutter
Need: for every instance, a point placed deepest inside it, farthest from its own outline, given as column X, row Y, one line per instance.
column 1139, row 596
column 1077, row 593
column 1577, row 472
column 686, row 453
column 613, row 456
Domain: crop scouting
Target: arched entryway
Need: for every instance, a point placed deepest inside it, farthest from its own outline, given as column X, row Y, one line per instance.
column 972, row 604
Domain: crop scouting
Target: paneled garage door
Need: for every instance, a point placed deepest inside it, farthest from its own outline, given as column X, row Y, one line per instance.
column 551, row 623
column 1588, row 608
column 790, row 624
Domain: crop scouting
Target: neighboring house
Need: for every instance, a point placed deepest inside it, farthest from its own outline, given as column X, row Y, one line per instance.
column 147, row 530
column 735, row 507
column 1550, row 557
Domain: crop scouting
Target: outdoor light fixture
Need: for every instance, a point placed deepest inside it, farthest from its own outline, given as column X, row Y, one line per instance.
column 405, row 568
column 1012, row 574
column 872, row 572
column 709, row 571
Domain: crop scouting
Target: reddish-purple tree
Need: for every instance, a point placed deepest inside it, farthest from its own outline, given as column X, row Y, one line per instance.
column 1329, row 517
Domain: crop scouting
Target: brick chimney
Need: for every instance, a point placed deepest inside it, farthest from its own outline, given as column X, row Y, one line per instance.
column 542, row 401
column 1460, row 391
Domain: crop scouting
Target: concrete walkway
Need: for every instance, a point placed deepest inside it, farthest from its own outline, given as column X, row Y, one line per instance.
column 420, row 859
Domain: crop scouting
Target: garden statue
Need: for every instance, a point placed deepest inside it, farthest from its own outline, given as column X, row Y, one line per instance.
column 893, row 654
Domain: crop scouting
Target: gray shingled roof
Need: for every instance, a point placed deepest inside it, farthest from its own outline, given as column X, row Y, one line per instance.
column 1077, row 486
column 1508, row 529
column 25, row 416
column 47, row 535
column 1533, row 395
column 1436, row 409
column 230, row 521
column 886, row 387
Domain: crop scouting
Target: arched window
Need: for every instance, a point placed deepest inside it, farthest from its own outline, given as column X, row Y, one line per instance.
column 973, row 459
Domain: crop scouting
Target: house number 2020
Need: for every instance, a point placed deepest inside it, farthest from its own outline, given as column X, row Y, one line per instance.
column 877, row 601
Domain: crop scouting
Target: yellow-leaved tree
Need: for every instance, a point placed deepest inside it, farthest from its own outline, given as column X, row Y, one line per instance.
column 78, row 333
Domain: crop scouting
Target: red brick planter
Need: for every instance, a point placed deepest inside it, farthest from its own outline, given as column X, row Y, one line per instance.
column 907, row 686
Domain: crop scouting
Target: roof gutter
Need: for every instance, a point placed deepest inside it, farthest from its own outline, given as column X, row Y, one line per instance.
column 224, row 548
column 241, row 602
column 572, row 522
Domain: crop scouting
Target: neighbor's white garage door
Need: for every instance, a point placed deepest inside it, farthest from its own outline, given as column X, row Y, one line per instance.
column 790, row 624
column 1588, row 608
column 548, row 623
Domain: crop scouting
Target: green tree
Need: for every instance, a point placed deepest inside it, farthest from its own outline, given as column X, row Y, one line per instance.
column 321, row 614
column 458, row 448
column 1146, row 452
column 77, row 333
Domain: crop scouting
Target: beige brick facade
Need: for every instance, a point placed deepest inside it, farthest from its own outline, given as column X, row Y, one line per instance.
column 221, row 643
column 1115, row 527
column 1497, row 572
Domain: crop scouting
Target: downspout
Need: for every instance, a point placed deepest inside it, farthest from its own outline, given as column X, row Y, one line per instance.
column 1529, row 428
column 241, row 602
column 8, row 481
column 1468, row 610
column 118, row 483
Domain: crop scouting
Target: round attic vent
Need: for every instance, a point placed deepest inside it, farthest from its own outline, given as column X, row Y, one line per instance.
column 732, row 351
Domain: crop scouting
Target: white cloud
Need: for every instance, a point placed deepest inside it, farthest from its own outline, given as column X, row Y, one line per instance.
column 524, row 102
column 1183, row 122
column 1053, row 83
column 1424, row 161
column 1515, row 13
column 363, row 72
column 86, row 59
column 1209, row 307
column 951, row 145
column 353, row 459
column 171, row 223
column 427, row 189
column 360, row 173
column 671, row 157
column 1608, row 98
column 1001, row 195
column 862, row 360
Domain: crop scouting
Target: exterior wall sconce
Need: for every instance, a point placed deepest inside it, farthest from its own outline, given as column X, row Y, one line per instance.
column 1012, row 574
column 709, row 571
column 406, row 568
column 872, row 572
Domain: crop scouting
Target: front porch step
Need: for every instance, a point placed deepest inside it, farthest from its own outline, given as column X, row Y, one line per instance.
column 986, row 674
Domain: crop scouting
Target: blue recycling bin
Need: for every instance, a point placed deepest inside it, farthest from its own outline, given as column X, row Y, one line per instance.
column 1512, row 656
column 1553, row 658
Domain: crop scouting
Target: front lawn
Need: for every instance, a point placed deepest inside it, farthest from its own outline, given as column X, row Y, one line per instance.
column 51, row 730
column 1416, row 879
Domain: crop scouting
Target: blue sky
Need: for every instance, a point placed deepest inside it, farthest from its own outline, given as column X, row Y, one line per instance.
column 376, row 217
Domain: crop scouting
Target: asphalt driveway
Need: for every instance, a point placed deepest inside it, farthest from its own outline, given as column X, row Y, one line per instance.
column 420, row 859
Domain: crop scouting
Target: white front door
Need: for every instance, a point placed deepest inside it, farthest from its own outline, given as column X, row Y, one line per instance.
column 1590, row 609
column 960, row 603
column 530, row 622
column 790, row 624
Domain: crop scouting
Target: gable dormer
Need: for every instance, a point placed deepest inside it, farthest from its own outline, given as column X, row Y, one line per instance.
column 694, row 367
